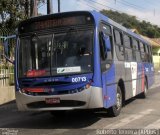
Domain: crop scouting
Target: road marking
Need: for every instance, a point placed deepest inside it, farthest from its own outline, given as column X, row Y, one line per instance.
column 128, row 119
column 57, row 131
column 154, row 125
column 155, row 86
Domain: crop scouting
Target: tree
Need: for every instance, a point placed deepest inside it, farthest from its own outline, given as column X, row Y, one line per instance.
column 13, row 11
column 131, row 22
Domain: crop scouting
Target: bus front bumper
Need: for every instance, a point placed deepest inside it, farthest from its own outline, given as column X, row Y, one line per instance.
column 86, row 99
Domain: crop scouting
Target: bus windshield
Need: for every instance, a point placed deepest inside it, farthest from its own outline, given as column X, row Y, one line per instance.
column 56, row 54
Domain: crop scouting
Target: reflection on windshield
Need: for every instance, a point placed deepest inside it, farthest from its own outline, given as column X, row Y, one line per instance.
column 56, row 54
column 34, row 56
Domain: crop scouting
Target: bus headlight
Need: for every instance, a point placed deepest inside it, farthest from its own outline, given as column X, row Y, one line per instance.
column 88, row 85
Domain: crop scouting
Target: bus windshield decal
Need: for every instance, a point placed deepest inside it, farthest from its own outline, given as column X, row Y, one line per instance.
column 68, row 69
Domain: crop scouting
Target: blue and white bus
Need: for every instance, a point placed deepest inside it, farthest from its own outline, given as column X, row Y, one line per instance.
column 79, row 60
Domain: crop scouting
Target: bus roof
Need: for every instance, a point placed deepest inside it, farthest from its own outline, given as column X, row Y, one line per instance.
column 100, row 17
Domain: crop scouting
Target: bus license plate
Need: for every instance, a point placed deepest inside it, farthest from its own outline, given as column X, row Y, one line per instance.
column 52, row 100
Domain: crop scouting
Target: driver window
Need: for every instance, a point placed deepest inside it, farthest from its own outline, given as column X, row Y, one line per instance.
column 105, row 41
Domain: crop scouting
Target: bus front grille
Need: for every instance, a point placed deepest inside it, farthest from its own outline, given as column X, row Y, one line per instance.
column 63, row 103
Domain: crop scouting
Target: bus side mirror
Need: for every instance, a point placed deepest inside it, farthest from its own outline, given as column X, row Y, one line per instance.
column 6, row 48
column 7, row 52
column 105, row 45
column 103, row 48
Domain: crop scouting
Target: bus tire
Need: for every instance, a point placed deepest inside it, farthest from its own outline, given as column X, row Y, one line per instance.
column 116, row 109
column 144, row 94
column 58, row 113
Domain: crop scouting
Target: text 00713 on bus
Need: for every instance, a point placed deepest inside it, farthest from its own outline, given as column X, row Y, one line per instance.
column 79, row 60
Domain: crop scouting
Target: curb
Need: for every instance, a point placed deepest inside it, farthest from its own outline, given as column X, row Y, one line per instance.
column 7, row 94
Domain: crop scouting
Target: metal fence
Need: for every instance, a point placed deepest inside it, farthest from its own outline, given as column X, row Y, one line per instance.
column 6, row 69
column 6, row 77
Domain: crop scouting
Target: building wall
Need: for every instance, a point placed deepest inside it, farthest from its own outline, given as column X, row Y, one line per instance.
column 156, row 58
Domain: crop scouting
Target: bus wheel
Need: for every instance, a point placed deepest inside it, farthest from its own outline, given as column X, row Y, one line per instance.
column 144, row 94
column 58, row 113
column 116, row 109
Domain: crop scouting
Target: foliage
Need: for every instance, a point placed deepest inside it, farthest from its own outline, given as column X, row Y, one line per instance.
column 131, row 22
column 11, row 11
column 14, row 11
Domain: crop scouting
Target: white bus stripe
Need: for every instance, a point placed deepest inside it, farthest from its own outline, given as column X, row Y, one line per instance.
column 128, row 119
column 134, row 77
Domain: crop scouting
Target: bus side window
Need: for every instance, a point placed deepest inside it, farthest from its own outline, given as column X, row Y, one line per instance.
column 150, row 53
column 147, row 53
column 119, row 44
column 141, row 47
column 128, row 49
column 146, row 48
column 136, row 50
column 143, row 55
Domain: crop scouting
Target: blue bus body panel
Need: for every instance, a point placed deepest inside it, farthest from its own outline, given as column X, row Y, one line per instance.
column 149, row 72
column 97, row 68
column 97, row 79
column 109, row 87
column 104, row 80
column 67, row 83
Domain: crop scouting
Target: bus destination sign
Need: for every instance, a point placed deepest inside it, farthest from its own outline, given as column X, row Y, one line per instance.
column 51, row 23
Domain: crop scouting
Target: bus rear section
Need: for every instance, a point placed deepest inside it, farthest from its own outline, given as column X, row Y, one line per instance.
column 55, row 63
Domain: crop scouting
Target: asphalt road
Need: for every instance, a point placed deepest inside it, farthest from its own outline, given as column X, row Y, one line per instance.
column 137, row 114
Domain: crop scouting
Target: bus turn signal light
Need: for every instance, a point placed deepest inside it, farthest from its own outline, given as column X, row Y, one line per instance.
column 32, row 90
column 89, row 84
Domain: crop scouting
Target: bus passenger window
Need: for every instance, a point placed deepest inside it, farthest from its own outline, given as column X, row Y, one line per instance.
column 136, row 48
column 119, row 44
column 141, row 46
column 149, row 54
column 146, row 55
column 128, row 48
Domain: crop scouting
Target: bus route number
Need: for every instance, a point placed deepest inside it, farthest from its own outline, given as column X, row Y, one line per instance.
column 79, row 79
